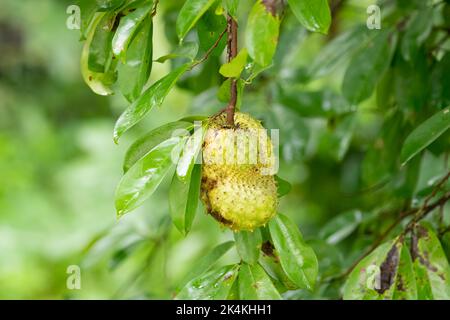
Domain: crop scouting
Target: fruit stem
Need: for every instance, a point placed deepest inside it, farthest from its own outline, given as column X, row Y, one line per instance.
column 232, row 48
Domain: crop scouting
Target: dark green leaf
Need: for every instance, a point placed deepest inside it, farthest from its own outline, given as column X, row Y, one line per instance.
column 209, row 28
column 152, row 97
column 144, row 177
column 100, row 54
column 417, row 31
column 406, row 287
column 190, row 13
column 248, row 245
column 425, row 134
column 361, row 77
column 127, row 28
column 135, row 72
column 283, row 187
column 214, row 285
column 255, row 284
column 313, row 14
column 262, row 34
column 183, row 199
column 297, row 258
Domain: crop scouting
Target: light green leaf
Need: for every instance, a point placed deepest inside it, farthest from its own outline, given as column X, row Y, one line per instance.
column 144, row 177
column 430, row 264
column 362, row 77
column 207, row 262
column 187, row 50
column 135, row 71
column 255, row 284
column 313, row 14
column 183, row 199
column 190, row 13
column 297, row 258
column 190, row 153
column 406, row 287
column 127, row 28
column 248, row 245
column 262, row 34
column 213, row 285
column 234, row 68
column 152, row 97
column 231, row 7
column 100, row 83
column 341, row 226
column 146, row 143
column 366, row 282
column 425, row 134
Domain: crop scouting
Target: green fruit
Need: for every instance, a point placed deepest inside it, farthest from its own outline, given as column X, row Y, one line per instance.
column 238, row 189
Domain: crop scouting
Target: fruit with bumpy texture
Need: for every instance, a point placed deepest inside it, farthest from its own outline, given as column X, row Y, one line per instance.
column 238, row 188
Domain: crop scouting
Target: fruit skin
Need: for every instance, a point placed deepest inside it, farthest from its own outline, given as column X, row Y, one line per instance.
column 239, row 196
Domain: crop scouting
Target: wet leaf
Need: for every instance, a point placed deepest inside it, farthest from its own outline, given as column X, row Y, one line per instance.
column 190, row 13
column 313, row 14
column 255, row 284
column 213, row 285
column 190, row 153
column 297, row 258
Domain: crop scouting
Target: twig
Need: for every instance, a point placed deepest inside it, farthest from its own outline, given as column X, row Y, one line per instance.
column 232, row 28
column 154, row 9
column 210, row 50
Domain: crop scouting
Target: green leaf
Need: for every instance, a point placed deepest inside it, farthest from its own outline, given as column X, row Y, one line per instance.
column 430, row 264
column 152, row 97
column 144, row 177
column 187, row 50
column 100, row 54
column 248, row 245
column 207, row 262
column 337, row 51
column 417, row 31
column 231, row 7
column 262, row 34
column 88, row 8
column 341, row 226
column 366, row 281
column 135, row 72
column 183, row 200
column 406, row 287
column 146, row 143
column 283, row 187
column 100, row 83
column 190, row 13
column 190, row 153
column 127, row 28
column 254, row 284
column 425, row 134
column 214, row 285
column 322, row 104
column 361, row 77
column 234, row 68
column 209, row 28
column 313, row 14
column 440, row 82
column 297, row 258
column 224, row 94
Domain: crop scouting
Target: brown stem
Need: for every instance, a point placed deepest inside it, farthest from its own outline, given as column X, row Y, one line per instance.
column 232, row 29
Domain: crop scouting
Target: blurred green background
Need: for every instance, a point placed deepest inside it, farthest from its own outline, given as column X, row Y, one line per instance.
column 59, row 165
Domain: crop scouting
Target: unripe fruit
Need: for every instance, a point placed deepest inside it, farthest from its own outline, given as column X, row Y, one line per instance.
column 238, row 186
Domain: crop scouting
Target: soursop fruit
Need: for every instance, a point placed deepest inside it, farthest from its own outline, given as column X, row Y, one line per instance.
column 238, row 186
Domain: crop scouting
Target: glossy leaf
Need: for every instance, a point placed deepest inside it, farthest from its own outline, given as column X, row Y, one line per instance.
column 430, row 264
column 127, row 28
column 341, row 226
column 248, row 245
column 100, row 83
column 100, row 54
column 142, row 179
column 262, row 34
column 190, row 153
column 213, row 285
column 187, row 50
column 207, row 262
column 425, row 134
column 152, row 97
column 183, row 200
column 297, row 258
column 156, row 136
column 190, row 13
column 135, row 71
column 361, row 77
column 255, row 284
column 313, row 14
column 234, row 68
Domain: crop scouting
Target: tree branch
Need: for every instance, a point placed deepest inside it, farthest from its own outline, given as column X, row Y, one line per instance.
column 232, row 29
